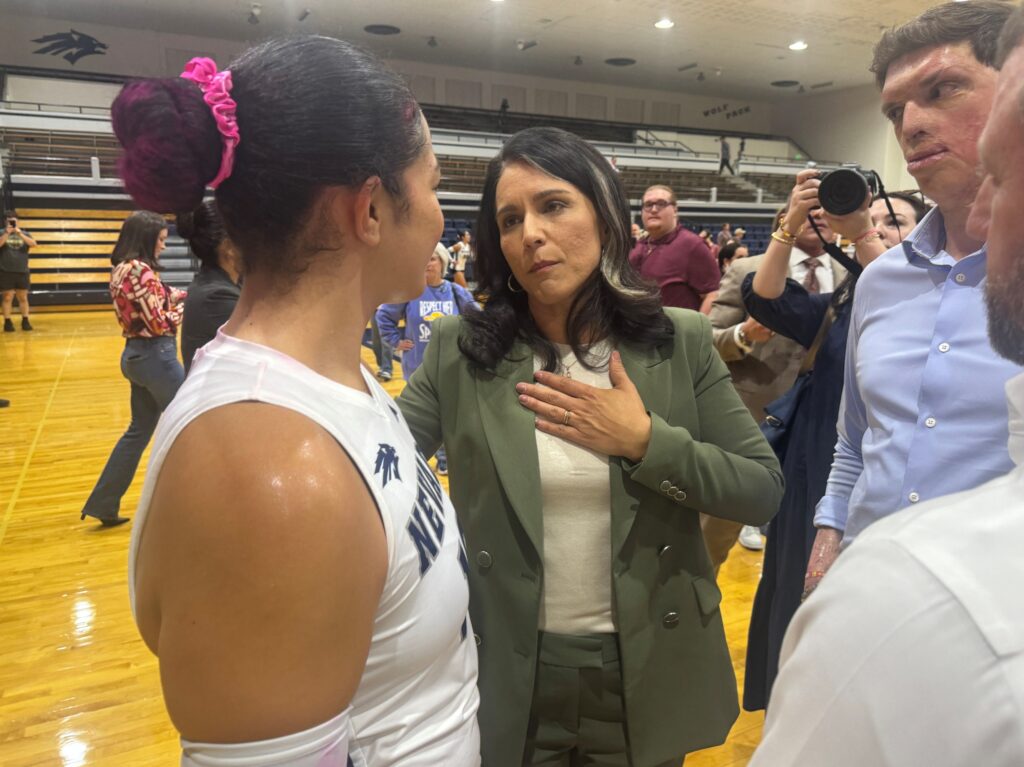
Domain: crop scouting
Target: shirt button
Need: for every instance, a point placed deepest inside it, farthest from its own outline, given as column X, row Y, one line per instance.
column 930, row 423
column 665, row 486
column 943, row 347
column 914, row 497
column 961, row 278
column 670, row 620
column 484, row 559
column 681, row 495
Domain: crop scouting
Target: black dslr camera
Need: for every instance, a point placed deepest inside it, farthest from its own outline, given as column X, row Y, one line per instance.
column 844, row 189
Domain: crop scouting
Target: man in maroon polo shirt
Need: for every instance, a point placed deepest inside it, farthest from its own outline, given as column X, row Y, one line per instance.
column 671, row 255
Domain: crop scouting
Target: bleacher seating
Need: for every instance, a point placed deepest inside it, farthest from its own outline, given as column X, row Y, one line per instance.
column 492, row 121
column 687, row 184
column 71, row 263
column 466, row 174
column 774, row 185
column 59, row 153
column 462, row 174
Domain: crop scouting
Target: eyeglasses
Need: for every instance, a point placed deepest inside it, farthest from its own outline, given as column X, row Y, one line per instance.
column 658, row 205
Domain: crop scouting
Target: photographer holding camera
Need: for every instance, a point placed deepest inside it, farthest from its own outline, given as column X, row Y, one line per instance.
column 763, row 365
column 817, row 324
column 14, row 279
column 923, row 412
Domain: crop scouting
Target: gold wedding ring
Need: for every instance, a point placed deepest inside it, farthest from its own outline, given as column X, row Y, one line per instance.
column 566, row 417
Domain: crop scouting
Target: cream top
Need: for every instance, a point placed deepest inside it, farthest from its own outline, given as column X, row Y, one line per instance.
column 576, row 495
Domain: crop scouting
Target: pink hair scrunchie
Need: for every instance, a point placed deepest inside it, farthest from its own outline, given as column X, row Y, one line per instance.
column 216, row 88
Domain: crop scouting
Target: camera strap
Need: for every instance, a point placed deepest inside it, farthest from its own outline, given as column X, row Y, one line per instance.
column 836, row 252
column 888, row 205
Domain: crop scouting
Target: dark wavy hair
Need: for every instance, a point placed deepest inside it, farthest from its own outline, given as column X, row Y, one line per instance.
column 728, row 252
column 978, row 22
column 204, row 230
column 313, row 112
column 138, row 237
column 919, row 206
column 614, row 302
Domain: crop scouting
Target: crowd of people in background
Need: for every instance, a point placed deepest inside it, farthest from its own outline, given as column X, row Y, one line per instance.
column 594, row 385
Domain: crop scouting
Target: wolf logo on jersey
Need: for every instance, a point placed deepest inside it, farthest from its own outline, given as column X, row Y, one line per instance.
column 387, row 463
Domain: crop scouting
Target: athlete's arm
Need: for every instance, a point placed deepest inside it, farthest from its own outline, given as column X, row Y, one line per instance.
column 260, row 571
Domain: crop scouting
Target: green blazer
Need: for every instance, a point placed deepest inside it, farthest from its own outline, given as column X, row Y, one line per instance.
column 706, row 455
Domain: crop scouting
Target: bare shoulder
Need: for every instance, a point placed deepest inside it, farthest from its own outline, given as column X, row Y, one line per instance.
column 259, row 574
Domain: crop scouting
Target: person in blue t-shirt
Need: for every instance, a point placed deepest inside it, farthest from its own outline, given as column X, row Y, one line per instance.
column 439, row 299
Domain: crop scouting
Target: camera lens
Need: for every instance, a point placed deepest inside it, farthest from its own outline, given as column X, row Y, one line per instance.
column 842, row 191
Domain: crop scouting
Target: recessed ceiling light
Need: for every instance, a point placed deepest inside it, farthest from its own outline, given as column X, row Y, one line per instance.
column 665, row 24
column 799, row 45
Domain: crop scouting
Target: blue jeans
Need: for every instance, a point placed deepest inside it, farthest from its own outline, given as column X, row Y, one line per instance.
column 151, row 366
column 384, row 354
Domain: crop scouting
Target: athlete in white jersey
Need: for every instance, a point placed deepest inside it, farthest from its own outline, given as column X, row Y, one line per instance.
column 295, row 565
column 416, row 703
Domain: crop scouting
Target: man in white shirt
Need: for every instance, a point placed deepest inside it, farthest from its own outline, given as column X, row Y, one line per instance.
column 911, row 652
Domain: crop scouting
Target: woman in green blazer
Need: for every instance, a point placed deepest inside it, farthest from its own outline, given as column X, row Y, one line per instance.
column 586, row 429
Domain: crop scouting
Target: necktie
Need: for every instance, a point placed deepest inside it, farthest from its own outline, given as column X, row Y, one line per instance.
column 811, row 278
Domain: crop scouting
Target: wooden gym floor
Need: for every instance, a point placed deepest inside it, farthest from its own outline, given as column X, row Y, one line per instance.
column 77, row 685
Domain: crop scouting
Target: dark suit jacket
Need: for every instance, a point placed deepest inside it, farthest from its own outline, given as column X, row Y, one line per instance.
column 211, row 299
column 706, row 455
column 769, row 370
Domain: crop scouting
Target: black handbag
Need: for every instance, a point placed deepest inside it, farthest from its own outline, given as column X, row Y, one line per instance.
column 780, row 414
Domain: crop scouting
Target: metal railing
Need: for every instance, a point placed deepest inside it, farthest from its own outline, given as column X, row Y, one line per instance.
column 31, row 106
column 94, row 156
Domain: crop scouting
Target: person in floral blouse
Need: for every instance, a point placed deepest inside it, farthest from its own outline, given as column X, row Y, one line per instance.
column 149, row 314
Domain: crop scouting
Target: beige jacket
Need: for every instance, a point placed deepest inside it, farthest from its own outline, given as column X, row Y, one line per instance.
column 769, row 370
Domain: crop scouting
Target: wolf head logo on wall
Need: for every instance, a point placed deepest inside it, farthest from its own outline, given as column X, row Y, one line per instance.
column 74, row 45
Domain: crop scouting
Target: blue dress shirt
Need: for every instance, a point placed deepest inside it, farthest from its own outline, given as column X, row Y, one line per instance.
column 923, row 412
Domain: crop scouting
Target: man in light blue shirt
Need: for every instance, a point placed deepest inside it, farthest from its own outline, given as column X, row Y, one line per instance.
column 950, row 621
column 923, row 412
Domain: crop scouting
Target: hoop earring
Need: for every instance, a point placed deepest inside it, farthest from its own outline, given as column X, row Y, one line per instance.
column 510, row 287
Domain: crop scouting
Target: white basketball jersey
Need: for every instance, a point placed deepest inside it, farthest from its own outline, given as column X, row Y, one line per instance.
column 417, row 701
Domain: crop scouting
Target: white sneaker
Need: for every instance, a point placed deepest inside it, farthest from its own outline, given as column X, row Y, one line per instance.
column 751, row 538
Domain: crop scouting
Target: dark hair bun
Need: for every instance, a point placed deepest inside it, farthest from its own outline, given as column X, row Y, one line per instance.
column 171, row 144
column 186, row 224
column 204, row 230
